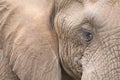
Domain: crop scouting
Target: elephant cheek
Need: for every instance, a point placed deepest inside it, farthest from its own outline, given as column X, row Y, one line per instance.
column 105, row 63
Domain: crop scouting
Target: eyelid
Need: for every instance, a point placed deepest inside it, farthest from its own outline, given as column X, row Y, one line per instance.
column 87, row 21
column 87, row 26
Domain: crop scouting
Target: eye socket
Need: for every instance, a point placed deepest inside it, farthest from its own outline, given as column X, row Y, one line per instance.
column 87, row 36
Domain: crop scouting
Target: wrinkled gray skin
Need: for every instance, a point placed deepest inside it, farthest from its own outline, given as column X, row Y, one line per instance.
column 44, row 40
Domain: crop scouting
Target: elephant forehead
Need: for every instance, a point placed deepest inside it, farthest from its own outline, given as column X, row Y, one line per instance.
column 104, row 13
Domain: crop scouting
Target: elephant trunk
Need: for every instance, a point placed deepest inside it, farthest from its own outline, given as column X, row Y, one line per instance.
column 105, row 62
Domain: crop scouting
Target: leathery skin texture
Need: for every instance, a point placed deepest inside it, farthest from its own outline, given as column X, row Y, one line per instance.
column 59, row 39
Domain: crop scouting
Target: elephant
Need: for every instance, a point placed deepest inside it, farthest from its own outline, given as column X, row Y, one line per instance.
column 59, row 39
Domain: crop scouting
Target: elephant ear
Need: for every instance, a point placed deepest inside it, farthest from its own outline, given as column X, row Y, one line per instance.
column 33, row 54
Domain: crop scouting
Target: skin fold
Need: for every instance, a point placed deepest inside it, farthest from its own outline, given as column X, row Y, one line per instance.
column 59, row 39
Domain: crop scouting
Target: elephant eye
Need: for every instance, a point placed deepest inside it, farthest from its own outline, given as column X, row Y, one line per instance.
column 87, row 36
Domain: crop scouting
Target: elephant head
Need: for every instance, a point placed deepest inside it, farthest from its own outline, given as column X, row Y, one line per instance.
column 60, row 39
column 89, row 38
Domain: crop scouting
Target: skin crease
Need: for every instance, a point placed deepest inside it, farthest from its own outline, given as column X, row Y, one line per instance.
column 42, row 40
